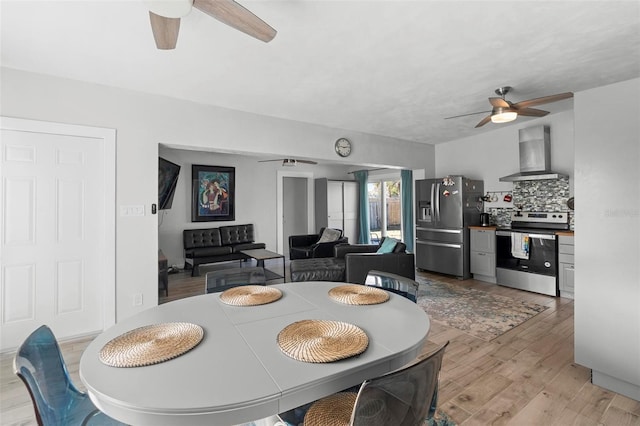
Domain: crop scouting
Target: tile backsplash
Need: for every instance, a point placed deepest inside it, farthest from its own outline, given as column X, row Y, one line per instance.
column 547, row 195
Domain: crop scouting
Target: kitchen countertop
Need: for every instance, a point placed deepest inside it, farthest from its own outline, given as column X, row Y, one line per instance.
column 567, row 233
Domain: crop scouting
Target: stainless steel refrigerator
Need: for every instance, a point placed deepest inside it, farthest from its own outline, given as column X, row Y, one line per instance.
column 446, row 208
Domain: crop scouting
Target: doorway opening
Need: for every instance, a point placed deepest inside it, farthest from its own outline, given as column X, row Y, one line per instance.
column 291, row 205
column 385, row 209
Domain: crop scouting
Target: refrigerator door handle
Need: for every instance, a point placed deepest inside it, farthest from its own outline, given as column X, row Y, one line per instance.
column 437, row 199
column 445, row 231
column 428, row 243
column 433, row 206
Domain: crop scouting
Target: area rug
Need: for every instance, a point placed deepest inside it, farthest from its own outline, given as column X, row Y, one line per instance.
column 439, row 419
column 475, row 312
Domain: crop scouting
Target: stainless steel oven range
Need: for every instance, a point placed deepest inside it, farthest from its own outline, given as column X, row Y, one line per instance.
column 527, row 252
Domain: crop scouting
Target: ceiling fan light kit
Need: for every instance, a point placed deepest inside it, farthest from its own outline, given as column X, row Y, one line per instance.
column 503, row 115
column 289, row 162
column 504, row 111
column 165, row 19
column 170, row 8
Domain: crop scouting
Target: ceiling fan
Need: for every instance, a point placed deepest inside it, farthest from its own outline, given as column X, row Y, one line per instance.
column 290, row 162
column 165, row 19
column 504, row 111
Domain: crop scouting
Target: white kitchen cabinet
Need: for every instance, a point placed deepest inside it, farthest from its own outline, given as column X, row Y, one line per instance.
column 483, row 254
column 337, row 206
column 566, row 266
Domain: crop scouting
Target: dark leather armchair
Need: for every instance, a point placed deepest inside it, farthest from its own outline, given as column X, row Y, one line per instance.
column 361, row 258
column 307, row 246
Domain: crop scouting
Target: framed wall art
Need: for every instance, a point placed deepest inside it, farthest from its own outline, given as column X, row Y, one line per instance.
column 213, row 193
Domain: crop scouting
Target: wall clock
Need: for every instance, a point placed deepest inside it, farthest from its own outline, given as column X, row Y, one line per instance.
column 343, row 147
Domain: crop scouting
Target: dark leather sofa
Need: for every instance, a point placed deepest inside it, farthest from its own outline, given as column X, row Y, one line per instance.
column 307, row 246
column 359, row 259
column 202, row 246
column 352, row 262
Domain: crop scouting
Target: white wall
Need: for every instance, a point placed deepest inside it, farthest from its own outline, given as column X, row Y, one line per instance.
column 607, row 241
column 490, row 156
column 255, row 196
column 143, row 121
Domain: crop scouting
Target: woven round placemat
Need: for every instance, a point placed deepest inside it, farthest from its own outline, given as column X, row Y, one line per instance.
column 151, row 344
column 357, row 294
column 322, row 341
column 250, row 295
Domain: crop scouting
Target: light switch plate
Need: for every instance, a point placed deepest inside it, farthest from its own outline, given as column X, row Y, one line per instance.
column 132, row 210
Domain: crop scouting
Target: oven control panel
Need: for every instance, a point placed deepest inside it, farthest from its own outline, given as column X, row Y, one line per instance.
column 540, row 217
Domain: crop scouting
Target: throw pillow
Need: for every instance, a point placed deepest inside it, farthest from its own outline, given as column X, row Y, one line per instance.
column 329, row 235
column 387, row 245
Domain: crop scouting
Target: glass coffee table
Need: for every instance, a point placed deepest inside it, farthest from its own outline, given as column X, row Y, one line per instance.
column 224, row 279
column 260, row 255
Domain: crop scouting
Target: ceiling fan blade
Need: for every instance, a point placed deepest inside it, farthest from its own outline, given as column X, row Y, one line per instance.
column 267, row 161
column 484, row 121
column 499, row 102
column 235, row 15
column 465, row 115
column 165, row 31
column 306, row 161
column 532, row 112
column 543, row 100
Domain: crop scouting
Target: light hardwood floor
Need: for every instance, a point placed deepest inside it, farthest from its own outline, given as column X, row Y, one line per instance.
column 524, row 377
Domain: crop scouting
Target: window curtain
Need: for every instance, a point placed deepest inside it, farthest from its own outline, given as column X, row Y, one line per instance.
column 363, row 210
column 406, row 186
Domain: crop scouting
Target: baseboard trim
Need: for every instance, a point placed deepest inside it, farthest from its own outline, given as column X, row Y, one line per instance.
column 620, row 386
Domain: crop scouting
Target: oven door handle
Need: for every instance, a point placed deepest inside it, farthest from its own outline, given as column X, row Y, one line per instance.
column 543, row 236
column 540, row 236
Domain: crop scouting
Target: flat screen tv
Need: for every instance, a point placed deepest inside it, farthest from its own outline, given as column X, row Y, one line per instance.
column 167, row 180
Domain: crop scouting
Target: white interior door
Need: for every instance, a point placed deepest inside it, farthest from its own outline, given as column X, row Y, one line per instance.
column 57, row 265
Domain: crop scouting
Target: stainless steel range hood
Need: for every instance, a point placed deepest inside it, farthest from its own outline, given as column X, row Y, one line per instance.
column 535, row 157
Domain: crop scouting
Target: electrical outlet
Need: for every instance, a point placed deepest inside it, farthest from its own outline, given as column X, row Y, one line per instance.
column 137, row 299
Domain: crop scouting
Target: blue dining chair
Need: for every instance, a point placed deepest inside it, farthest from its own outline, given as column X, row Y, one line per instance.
column 56, row 400
column 407, row 396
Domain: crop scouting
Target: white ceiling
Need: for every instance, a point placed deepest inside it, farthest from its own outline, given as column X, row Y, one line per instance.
column 393, row 68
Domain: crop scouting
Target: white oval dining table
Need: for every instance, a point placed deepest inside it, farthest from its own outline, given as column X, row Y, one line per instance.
column 238, row 373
